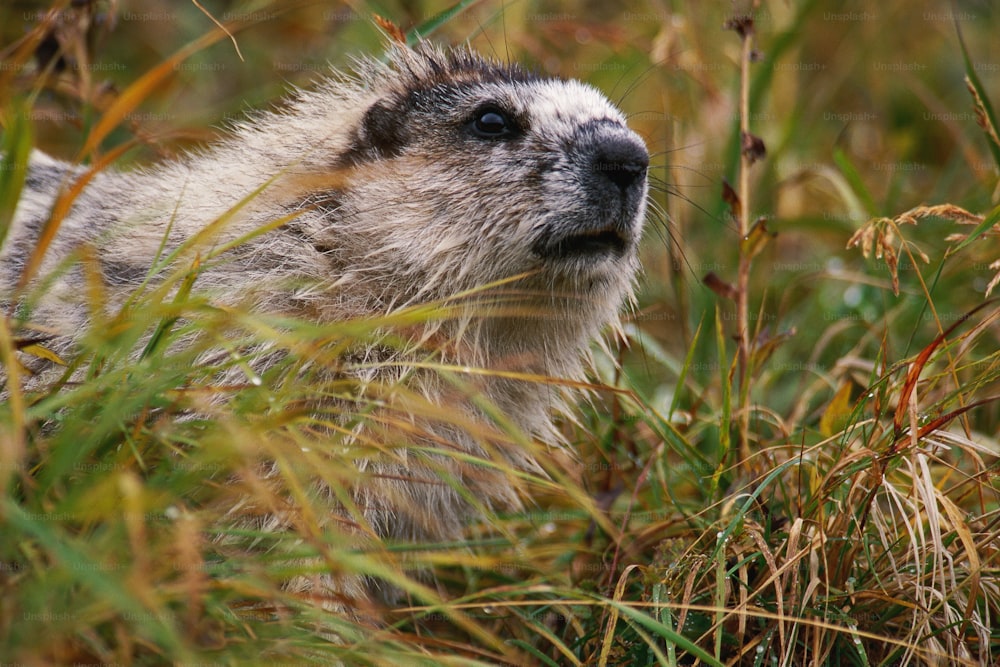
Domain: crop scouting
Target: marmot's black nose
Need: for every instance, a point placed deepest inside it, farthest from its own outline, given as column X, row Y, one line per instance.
column 621, row 160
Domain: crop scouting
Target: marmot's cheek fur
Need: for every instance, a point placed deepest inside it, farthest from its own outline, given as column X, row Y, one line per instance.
column 412, row 181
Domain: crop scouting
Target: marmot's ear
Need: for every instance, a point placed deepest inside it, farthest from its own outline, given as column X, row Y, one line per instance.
column 384, row 132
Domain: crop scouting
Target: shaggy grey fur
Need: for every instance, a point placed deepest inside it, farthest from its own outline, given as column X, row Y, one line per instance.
column 414, row 181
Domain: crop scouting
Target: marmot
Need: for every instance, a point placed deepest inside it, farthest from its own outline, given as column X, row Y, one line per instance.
column 429, row 176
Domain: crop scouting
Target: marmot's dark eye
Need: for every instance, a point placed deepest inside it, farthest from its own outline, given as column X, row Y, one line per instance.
column 492, row 123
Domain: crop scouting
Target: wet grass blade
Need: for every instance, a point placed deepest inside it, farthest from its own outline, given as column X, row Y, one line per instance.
column 17, row 145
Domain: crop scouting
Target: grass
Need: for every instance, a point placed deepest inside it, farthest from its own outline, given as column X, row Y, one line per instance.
column 793, row 461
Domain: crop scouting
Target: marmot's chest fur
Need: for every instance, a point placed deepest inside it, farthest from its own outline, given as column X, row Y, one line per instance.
column 436, row 175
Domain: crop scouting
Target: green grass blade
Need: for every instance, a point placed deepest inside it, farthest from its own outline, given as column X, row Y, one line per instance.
column 664, row 632
column 428, row 27
column 855, row 181
column 16, row 147
column 72, row 559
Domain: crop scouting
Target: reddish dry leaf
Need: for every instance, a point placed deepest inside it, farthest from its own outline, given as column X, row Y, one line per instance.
column 917, row 366
column 392, row 31
column 753, row 147
column 730, row 197
column 720, row 286
column 742, row 25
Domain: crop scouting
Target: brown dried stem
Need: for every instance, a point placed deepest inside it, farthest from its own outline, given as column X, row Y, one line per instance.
column 745, row 255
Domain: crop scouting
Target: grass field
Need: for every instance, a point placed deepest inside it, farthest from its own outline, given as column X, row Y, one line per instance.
column 792, row 460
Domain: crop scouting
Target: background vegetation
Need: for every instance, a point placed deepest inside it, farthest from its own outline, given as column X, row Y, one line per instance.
column 822, row 492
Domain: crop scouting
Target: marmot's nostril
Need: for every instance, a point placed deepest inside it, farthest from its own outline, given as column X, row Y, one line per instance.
column 621, row 161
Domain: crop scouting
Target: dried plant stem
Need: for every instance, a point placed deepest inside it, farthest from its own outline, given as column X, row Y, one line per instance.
column 745, row 253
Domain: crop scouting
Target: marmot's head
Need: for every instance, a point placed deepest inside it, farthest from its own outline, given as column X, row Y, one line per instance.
column 462, row 171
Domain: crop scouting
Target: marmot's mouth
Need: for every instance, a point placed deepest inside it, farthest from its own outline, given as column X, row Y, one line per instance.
column 584, row 244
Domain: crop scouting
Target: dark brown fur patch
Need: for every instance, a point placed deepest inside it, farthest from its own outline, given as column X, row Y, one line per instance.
column 385, row 131
column 122, row 273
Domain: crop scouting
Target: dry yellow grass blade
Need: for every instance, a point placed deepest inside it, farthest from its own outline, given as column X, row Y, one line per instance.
column 611, row 622
column 960, row 525
column 837, row 411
